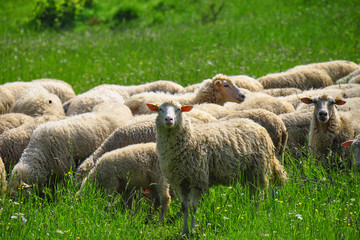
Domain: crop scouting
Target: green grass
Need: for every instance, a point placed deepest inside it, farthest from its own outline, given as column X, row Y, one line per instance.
column 249, row 37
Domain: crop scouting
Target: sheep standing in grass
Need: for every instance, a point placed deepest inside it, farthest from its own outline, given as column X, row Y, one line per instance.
column 218, row 90
column 132, row 167
column 37, row 102
column 355, row 144
column 194, row 157
column 329, row 128
column 56, row 147
column 14, row 141
column 13, row 120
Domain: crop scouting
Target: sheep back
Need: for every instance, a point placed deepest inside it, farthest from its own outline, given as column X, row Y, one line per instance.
column 58, row 87
column 13, row 120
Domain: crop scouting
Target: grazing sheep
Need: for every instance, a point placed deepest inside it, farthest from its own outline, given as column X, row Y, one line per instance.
column 194, row 157
column 58, row 87
column 85, row 102
column 264, row 101
column 156, row 86
column 37, row 102
column 302, row 79
column 329, row 127
column 270, row 121
column 355, row 144
column 57, row 146
column 6, row 100
column 14, row 141
column 132, row 167
column 335, row 69
column 279, row 92
column 218, row 90
column 13, row 120
column 2, row 177
column 350, row 76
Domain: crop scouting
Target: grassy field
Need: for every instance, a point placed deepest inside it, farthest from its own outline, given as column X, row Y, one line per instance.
column 248, row 37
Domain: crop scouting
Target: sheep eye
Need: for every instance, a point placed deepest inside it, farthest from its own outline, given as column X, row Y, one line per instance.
column 50, row 101
column 177, row 110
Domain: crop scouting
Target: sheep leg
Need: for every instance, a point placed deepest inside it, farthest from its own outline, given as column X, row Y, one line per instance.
column 184, row 198
column 195, row 197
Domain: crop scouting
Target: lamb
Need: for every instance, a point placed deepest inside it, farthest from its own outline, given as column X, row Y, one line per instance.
column 37, row 102
column 6, row 100
column 58, row 87
column 355, row 144
column 85, row 102
column 132, row 167
column 218, row 90
column 264, row 101
column 56, row 147
column 335, row 69
column 300, row 78
column 329, row 127
column 194, row 157
column 270, row 121
column 349, row 78
column 14, row 141
column 2, row 177
column 13, row 120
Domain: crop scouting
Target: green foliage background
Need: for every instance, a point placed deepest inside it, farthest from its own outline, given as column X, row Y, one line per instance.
column 133, row 42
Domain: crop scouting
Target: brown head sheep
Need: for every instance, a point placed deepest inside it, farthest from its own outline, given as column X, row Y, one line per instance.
column 218, row 90
column 329, row 127
column 194, row 157
column 134, row 167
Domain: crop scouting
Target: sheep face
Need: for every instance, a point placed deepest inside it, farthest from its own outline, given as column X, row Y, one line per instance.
column 355, row 144
column 169, row 113
column 324, row 106
column 228, row 92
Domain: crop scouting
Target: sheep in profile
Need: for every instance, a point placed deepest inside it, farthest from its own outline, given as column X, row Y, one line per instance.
column 58, row 87
column 132, row 167
column 6, row 100
column 355, row 145
column 301, row 78
column 218, row 90
column 335, row 69
column 14, row 141
column 57, row 146
column 2, row 177
column 329, row 127
column 194, row 157
column 350, row 77
column 264, row 101
column 37, row 102
column 102, row 94
column 13, row 120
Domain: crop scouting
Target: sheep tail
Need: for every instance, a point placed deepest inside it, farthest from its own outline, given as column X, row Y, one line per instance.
column 279, row 173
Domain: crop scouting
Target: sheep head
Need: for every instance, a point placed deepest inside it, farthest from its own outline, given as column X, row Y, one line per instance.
column 324, row 106
column 355, row 145
column 227, row 90
column 169, row 112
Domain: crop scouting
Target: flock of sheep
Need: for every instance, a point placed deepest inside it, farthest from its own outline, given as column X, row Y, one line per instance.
column 160, row 134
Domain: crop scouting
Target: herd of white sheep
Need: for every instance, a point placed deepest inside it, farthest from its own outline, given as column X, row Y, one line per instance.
column 161, row 136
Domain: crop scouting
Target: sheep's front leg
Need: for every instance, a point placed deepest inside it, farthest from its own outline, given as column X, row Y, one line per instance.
column 195, row 196
column 184, row 198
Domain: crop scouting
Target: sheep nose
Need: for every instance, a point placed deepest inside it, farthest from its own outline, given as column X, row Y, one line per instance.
column 322, row 114
column 169, row 121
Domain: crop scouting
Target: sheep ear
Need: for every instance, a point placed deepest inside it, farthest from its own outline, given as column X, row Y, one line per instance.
column 152, row 107
column 339, row 101
column 307, row 100
column 347, row 143
column 186, row 108
column 217, row 83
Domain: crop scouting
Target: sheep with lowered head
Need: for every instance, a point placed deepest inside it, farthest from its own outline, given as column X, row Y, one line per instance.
column 355, row 145
column 58, row 87
column 37, row 102
column 194, row 157
column 219, row 90
column 57, row 146
column 131, row 168
column 329, row 127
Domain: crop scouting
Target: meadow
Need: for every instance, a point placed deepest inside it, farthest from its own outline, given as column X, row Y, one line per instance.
column 246, row 37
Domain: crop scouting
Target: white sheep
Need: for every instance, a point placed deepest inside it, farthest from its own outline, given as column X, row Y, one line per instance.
column 102, row 94
column 335, row 69
column 14, row 141
column 13, row 120
column 350, row 77
column 194, row 157
column 261, row 100
column 57, row 146
column 58, row 87
column 329, row 127
column 131, row 168
column 218, row 90
column 300, row 78
column 2, row 177
column 37, row 102
column 355, row 145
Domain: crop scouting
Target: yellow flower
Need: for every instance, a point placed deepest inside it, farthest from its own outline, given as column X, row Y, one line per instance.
column 281, row 201
column 350, row 213
column 276, row 199
column 299, row 203
column 316, row 210
column 340, row 209
column 218, row 208
column 225, row 210
column 242, row 218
